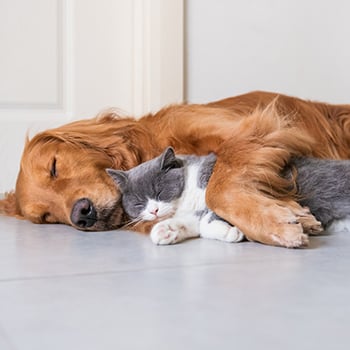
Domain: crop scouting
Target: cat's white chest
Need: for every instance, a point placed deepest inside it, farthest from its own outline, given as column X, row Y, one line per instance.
column 193, row 197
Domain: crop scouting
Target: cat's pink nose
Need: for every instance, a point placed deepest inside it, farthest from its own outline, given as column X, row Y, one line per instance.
column 155, row 211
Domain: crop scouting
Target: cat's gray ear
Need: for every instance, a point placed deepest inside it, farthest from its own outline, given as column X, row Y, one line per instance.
column 120, row 177
column 169, row 160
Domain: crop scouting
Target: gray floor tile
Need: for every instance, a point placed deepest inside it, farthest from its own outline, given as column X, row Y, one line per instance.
column 5, row 342
column 65, row 289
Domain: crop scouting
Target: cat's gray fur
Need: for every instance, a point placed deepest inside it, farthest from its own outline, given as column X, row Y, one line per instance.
column 323, row 185
column 175, row 185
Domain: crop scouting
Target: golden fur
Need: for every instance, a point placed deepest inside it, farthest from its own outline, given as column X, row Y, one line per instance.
column 254, row 136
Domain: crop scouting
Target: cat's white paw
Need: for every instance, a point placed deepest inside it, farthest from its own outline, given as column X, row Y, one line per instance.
column 233, row 235
column 165, row 233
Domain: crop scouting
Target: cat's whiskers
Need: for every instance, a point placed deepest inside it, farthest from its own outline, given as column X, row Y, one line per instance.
column 137, row 220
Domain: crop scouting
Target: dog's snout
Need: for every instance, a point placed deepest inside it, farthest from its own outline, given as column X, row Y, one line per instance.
column 83, row 213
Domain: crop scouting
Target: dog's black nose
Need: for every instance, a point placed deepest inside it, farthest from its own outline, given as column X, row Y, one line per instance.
column 83, row 214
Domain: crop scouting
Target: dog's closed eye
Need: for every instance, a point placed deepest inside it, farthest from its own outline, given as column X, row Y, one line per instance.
column 53, row 170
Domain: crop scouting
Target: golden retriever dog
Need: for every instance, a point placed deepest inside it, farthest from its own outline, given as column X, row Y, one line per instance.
column 62, row 176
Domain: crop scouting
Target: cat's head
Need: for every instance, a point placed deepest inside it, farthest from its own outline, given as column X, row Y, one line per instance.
column 150, row 190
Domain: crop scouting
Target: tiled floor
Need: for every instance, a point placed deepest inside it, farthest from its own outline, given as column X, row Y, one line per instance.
column 64, row 289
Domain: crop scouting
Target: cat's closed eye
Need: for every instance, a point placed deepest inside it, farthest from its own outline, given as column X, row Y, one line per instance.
column 159, row 195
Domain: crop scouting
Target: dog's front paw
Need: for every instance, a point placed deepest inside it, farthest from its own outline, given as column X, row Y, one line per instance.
column 310, row 224
column 285, row 228
column 290, row 236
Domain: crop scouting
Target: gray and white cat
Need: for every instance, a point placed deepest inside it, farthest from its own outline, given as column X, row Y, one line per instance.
column 172, row 188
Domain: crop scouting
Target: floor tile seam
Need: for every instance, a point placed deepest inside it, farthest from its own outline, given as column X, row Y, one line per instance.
column 112, row 272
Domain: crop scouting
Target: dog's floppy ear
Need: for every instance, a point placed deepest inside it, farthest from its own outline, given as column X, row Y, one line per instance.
column 8, row 205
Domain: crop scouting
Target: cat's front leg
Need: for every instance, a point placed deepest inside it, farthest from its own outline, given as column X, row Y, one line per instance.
column 213, row 227
column 172, row 231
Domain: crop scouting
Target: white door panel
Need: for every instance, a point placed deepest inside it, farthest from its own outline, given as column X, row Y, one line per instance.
column 68, row 59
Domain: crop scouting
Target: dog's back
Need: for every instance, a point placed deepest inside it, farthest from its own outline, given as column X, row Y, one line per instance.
column 324, row 187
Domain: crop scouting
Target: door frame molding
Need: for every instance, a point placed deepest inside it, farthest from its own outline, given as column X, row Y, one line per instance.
column 158, row 54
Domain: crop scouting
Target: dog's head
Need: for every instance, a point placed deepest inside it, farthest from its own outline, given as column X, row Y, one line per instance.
column 62, row 176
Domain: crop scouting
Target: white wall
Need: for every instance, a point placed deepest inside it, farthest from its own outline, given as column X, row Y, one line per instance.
column 299, row 47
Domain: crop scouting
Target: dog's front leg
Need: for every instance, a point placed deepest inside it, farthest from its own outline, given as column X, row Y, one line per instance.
column 259, row 217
